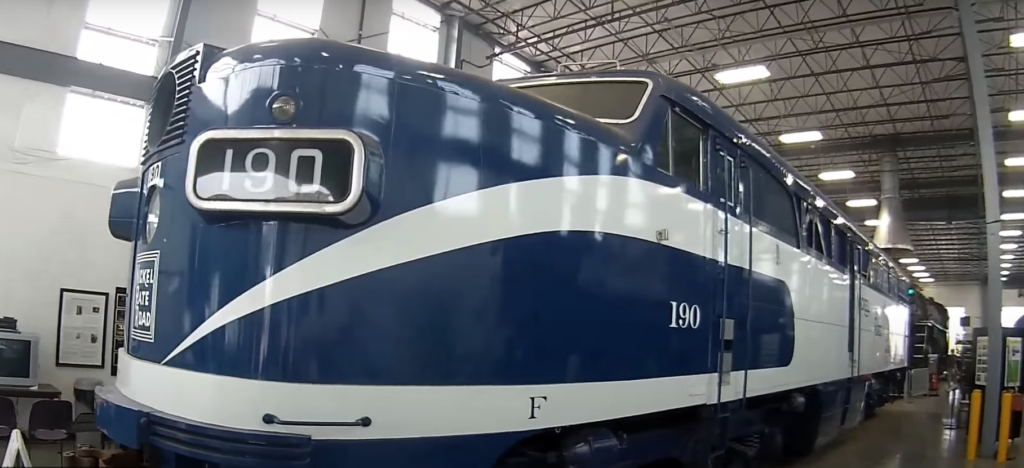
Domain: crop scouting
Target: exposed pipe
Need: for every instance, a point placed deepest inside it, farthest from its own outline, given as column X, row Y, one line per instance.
column 892, row 233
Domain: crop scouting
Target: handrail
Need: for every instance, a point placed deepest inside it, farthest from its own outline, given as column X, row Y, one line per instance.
column 16, row 449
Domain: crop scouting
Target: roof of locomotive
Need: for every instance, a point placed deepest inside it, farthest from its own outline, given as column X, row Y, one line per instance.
column 699, row 105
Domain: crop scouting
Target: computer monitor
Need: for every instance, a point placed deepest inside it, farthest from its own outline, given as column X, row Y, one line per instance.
column 19, row 359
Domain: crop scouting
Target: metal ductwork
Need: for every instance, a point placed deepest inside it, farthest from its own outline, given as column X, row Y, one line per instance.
column 892, row 232
column 452, row 36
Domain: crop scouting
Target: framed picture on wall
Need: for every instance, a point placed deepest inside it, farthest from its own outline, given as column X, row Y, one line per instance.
column 82, row 328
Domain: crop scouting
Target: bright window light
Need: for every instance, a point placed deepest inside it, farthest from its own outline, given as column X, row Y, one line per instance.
column 862, row 202
column 414, row 30
column 266, row 29
column 1017, row 40
column 1007, row 257
column 508, row 66
column 1008, row 246
column 837, row 175
column 1015, row 116
column 873, row 222
column 927, row 280
column 1014, row 193
column 921, row 274
column 1012, row 216
column 800, row 137
column 1013, row 162
column 305, row 13
column 1011, row 233
column 117, row 52
column 1003, row 278
column 137, row 18
column 909, row 260
column 740, row 75
column 101, row 130
column 916, row 268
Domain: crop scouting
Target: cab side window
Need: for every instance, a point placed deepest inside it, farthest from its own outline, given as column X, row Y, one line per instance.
column 681, row 152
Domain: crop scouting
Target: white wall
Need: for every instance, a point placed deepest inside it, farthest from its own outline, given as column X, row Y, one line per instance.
column 969, row 296
column 52, row 210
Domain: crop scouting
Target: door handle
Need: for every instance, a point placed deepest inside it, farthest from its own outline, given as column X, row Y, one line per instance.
column 778, row 255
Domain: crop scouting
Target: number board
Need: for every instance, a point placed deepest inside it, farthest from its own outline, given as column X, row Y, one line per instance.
column 278, row 174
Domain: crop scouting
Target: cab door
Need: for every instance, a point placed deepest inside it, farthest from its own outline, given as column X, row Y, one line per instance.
column 730, row 184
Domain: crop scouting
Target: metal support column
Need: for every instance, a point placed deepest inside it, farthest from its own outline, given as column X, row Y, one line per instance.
column 993, row 303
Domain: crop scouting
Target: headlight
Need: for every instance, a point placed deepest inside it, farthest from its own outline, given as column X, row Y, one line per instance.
column 152, row 214
column 283, row 109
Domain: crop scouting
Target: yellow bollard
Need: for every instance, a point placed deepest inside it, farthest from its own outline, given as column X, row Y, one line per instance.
column 973, row 421
column 1004, row 426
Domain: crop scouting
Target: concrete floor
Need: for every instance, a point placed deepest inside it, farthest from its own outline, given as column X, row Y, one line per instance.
column 906, row 434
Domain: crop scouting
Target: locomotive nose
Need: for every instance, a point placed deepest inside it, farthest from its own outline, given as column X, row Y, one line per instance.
column 124, row 201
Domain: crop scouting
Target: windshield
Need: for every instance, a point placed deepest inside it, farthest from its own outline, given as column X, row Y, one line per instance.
column 606, row 100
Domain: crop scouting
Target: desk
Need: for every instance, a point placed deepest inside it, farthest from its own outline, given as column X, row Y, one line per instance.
column 43, row 392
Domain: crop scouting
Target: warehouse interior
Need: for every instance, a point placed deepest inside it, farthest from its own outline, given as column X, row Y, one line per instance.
column 870, row 100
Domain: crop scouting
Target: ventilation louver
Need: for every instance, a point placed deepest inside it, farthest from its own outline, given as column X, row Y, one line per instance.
column 168, row 110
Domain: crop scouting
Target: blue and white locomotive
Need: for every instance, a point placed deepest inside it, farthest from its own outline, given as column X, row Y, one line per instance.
column 344, row 258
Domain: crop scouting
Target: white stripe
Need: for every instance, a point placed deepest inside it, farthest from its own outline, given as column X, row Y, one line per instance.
column 396, row 411
column 614, row 205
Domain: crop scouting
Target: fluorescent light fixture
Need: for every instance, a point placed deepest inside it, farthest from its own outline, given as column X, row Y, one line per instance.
column 921, row 274
column 1011, row 233
column 1011, row 216
column 1008, row 246
column 1003, row 278
column 1015, row 116
column 1014, row 162
column 861, row 202
column 1004, row 272
column 1017, row 40
column 744, row 74
column 916, row 268
column 806, row 137
column 837, row 175
column 1005, row 265
column 1015, row 193
column 927, row 280
column 909, row 260
column 873, row 222
column 1007, row 257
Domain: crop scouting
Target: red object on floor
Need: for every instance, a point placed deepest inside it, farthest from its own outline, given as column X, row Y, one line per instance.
column 933, row 383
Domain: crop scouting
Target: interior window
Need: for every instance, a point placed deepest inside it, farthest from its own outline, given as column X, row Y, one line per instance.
column 681, row 151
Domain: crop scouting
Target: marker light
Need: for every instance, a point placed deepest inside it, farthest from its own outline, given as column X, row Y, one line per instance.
column 1013, row 162
column 1011, row 233
column 1015, row 193
column 1008, row 246
column 744, row 74
column 909, row 260
column 921, row 274
column 1015, row 116
column 916, row 268
column 1017, row 40
column 927, row 280
column 801, row 137
column 1011, row 216
column 837, row 175
column 861, row 202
